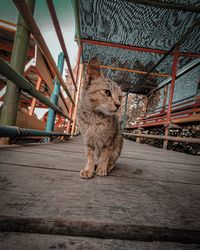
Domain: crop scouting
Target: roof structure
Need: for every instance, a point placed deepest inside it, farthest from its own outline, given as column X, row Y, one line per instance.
column 134, row 40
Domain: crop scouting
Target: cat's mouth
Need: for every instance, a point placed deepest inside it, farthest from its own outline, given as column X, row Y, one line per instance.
column 107, row 111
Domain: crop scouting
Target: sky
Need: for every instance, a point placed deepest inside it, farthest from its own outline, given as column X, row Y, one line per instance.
column 65, row 15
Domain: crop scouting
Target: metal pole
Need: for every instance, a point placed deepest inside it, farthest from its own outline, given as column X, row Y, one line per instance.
column 165, row 98
column 172, row 6
column 188, row 67
column 60, row 37
column 55, row 95
column 11, row 131
column 28, row 17
column 174, row 71
column 77, row 99
column 77, row 72
column 18, row 59
column 125, row 110
column 19, row 54
column 22, row 83
column 135, row 48
column 71, row 113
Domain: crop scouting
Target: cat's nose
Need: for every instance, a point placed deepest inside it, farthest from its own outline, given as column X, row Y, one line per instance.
column 117, row 106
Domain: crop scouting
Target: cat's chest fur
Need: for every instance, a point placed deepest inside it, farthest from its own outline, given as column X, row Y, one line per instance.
column 97, row 125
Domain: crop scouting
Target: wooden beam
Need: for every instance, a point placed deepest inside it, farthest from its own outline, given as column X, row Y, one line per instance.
column 192, row 118
column 8, row 47
column 33, row 103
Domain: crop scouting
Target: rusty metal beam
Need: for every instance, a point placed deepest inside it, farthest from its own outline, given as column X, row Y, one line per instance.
column 168, row 5
column 135, row 48
column 169, row 138
column 60, row 37
column 134, row 71
column 77, row 99
column 174, row 72
column 74, row 95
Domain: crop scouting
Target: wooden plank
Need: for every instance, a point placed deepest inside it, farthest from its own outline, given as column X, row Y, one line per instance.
column 146, row 200
column 131, row 150
column 155, row 170
column 192, row 118
column 26, row 121
column 47, row 77
column 19, row 241
column 38, row 192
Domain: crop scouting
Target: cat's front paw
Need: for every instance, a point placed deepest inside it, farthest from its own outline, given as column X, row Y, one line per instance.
column 85, row 174
column 101, row 171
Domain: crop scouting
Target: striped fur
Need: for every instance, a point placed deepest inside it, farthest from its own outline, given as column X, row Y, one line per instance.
column 98, row 122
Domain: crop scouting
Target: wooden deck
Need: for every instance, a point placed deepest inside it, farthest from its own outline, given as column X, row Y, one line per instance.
column 151, row 200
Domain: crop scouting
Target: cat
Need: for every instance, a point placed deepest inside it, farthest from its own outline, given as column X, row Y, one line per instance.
column 98, row 122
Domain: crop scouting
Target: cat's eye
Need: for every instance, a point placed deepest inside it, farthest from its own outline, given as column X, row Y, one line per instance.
column 107, row 92
column 120, row 98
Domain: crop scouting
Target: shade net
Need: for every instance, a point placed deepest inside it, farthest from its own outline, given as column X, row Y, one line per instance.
column 129, row 23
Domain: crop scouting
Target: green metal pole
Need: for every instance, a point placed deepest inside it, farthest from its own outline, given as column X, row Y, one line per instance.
column 11, row 131
column 125, row 109
column 55, row 95
column 7, row 71
column 18, row 59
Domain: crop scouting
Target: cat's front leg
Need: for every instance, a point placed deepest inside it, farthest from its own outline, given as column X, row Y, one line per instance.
column 88, row 171
column 102, row 168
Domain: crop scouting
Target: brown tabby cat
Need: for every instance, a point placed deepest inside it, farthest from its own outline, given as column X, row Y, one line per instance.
column 98, row 122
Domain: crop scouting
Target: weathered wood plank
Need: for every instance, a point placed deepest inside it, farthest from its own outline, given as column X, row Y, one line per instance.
column 29, row 192
column 146, row 197
column 125, row 167
column 20, row 241
column 131, row 150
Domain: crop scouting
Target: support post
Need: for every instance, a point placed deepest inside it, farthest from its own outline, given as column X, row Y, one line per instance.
column 18, row 59
column 74, row 96
column 77, row 99
column 71, row 113
column 138, row 138
column 146, row 100
column 169, row 110
column 33, row 103
column 125, row 110
column 55, row 95
column 165, row 98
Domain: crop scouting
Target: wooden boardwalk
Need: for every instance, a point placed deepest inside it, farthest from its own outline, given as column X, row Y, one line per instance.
column 151, row 200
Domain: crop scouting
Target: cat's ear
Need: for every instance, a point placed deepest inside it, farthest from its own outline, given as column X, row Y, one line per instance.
column 93, row 68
